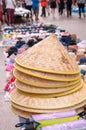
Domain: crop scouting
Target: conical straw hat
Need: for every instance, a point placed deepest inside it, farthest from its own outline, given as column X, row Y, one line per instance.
column 46, row 75
column 49, row 55
column 38, row 82
column 63, row 102
column 78, row 108
column 36, row 90
column 26, row 114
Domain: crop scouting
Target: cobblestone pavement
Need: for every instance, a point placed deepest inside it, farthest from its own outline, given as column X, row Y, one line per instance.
column 72, row 25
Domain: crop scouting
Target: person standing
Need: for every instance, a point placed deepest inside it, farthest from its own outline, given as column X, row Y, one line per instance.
column 69, row 7
column 35, row 7
column 43, row 5
column 10, row 6
column 4, row 12
column 61, row 5
column 81, row 6
column 53, row 5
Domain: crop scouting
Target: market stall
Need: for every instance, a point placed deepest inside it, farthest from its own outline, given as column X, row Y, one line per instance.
column 46, row 86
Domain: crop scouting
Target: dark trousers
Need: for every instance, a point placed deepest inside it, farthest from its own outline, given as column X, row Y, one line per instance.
column 81, row 8
column 69, row 10
column 43, row 11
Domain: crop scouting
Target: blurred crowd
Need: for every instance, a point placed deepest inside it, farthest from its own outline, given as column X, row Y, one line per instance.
column 48, row 7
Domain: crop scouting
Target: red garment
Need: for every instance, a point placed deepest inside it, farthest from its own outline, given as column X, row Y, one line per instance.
column 0, row 15
column 1, row 10
column 43, row 3
column 9, row 83
column 10, row 16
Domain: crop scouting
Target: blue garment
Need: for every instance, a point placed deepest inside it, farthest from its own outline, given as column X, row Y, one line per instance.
column 35, row 3
column 82, row 61
column 83, row 72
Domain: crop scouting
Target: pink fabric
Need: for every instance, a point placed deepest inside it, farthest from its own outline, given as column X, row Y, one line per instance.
column 9, row 67
column 54, row 115
column 20, row 50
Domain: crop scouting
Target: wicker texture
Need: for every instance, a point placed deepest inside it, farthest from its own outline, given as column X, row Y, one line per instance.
column 23, row 99
column 27, row 114
column 31, row 110
column 36, row 90
column 38, row 82
column 48, row 55
column 46, row 75
column 47, row 80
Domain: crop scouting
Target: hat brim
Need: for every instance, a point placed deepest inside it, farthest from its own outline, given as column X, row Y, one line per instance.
column 46, row 75
column 67, row 101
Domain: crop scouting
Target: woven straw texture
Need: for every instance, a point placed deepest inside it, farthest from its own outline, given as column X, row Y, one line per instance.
column 23, row 99
column 36, row 90
column 26, row 114
column 46, row 75
column 49, row 55
column 47, row 80
column 38, row 82
column 21, row 109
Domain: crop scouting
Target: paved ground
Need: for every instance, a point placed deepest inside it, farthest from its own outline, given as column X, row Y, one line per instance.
column 72, row 25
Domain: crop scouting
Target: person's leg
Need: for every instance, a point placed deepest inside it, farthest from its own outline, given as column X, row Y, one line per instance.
column 61, row 10
column 44, row 12
column 67, row 11
column 36, row 14
column 70, row 10
column 0, row 20
column 79, row 6
column 83, row 10
column 8, row 16
column 53, row 12
column 12, row 16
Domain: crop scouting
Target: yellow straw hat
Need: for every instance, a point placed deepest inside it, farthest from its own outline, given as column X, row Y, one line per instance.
column 46, row 91
column 47, row 80
column 46, row 75
column 18, row 110
column 63, row 102
column 50, row 56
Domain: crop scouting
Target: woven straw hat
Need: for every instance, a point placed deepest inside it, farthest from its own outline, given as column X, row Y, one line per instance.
column 46, row 75
column 49, row 55
column 68, row 101
column 22, row 111
column 38, row 82
column 47, row 80
column 78, row 108
column 46, row 91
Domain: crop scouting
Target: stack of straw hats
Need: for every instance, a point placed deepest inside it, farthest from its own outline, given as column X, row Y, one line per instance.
column 47, row 80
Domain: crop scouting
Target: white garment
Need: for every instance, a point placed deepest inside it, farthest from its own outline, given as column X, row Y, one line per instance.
column 10, row 4
column 28, row 2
